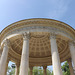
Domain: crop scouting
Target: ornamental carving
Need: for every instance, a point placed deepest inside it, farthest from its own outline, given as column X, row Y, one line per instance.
column 38, row 32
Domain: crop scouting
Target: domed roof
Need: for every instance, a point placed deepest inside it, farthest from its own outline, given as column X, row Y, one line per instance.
column 39, row 43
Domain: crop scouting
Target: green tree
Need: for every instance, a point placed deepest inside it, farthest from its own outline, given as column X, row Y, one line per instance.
column 35, row 71
column 49, row 72
column 40, row 70
column 65, row 69
column 10, row 71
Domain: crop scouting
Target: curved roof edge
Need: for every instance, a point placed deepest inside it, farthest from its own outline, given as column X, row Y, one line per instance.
column 37, row 19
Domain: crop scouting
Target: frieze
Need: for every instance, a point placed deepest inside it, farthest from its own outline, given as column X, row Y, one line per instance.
column 35, row 29
column 35, row 22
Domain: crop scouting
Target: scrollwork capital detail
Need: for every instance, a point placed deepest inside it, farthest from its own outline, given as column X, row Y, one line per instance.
column 26, row 35
column 52, row 36
column 71, row 43
column 6, row 42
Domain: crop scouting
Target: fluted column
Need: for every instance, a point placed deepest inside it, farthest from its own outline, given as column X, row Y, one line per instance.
column 25, row 55
column 4, row 58
column 44, row 68
column 17, row 69
column 0, row 52
column 6, row 67
column 72, row 51
column 70, row 67
column 55, row 55
column 31, row 70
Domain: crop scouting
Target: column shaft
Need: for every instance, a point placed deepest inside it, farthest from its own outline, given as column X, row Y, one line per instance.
column 31, row 70
column 70, row 67
column 55, row 56
column 6, row 67
column 25, row 57
column 72, row 50
column 0, row 53
column 4, row 59
column 17, row 70
column 44, row 68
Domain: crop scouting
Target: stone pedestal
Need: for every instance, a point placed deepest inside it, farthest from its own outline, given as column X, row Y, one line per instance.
column 44, row 68
column 4, row 58
column 72, row 51
column 25, row 55
column 55, row 56
column 70, row 67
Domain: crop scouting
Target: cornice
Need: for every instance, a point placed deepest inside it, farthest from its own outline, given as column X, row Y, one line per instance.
column 30, row 22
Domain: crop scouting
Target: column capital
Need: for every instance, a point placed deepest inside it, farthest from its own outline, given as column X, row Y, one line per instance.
column 44, row 67
column 26, row 35
column 6, row 42
column 71, row 42
column 52, row 36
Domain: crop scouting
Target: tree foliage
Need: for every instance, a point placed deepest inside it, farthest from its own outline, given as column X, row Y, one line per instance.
column 10, row 71
column 65, row 69
column 36, row 71
column 39, row 70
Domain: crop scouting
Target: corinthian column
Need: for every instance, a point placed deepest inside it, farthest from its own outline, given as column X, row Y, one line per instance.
column 0, row 52
column 31, row 70
column 6, row 66
column 70, row 67
column 44, row 68
column 72, row 51
column 25, row 55
column 4, row 58
column 55, row 55
column 17, row 69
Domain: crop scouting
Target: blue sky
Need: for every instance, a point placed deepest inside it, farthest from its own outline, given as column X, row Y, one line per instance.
column 15, row 10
